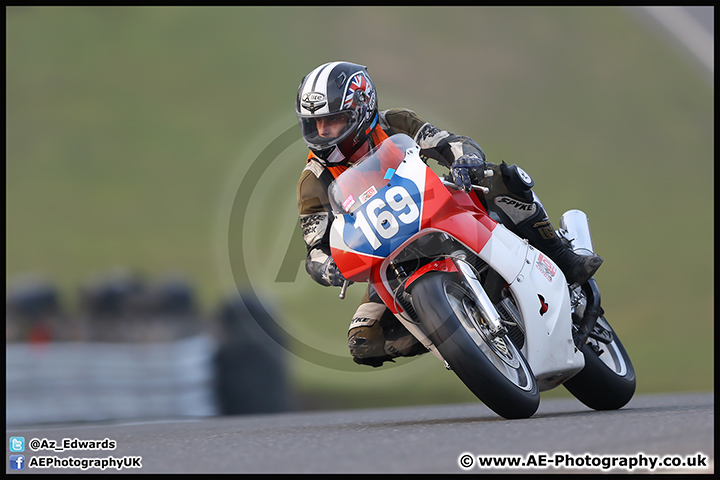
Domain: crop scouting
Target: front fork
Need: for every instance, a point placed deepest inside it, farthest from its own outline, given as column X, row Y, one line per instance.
column 487, row 309
column 485, row 305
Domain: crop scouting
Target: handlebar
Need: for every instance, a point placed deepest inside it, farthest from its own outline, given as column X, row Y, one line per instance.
column 486, row 173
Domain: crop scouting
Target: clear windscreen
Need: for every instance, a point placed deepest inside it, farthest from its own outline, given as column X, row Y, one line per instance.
column 369, row 175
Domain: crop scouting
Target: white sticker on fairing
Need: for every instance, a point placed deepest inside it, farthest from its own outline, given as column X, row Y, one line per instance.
column 546, row 267
column 367, row 194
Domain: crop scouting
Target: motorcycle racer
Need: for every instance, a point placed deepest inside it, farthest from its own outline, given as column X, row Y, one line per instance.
column 337, row 109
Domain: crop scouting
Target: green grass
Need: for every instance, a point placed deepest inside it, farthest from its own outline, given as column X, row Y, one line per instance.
column 129, row 131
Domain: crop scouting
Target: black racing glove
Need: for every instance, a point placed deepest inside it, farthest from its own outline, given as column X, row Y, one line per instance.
column 467, row 170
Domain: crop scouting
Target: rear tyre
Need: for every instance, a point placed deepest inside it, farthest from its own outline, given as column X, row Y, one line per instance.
column 493, row 369
column 607, row 382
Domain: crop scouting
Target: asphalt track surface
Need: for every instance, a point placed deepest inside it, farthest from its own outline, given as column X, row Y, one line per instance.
column 426, row 439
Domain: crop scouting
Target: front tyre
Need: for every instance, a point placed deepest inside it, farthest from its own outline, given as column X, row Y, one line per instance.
column 492, row 368
column 607, row 382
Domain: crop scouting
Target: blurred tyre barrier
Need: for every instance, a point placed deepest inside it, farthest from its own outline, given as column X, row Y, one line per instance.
column 34, row 313
column 251, row 348
column 137, row 351
column 120, row 306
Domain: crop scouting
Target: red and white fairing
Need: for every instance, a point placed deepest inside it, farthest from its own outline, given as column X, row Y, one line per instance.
column 390, row 198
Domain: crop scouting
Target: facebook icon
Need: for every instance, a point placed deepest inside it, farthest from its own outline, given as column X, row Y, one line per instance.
column 17, row 462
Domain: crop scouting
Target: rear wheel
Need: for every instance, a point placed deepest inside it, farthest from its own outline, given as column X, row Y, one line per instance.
column 491, row 367
column 607, row 382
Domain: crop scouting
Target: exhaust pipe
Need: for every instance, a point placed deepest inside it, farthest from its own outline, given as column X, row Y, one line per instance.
column 575, row 227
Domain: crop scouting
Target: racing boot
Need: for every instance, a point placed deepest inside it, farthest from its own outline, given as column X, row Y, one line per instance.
column 375, row 336
column 522, row 212
column 541, row 234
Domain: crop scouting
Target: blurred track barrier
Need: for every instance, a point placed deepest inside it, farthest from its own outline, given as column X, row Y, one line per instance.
column 138, row 350
column 70, row 382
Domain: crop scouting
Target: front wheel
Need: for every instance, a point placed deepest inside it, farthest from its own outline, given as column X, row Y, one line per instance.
column 492, row 368
column 607, row 382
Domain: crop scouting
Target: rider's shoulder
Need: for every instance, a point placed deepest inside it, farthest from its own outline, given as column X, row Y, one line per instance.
column 402, row 120
column 309, row 186
column 313, row 168
column 398, row 114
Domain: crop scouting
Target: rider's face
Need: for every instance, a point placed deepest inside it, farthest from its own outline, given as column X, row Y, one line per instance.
column 330, row 127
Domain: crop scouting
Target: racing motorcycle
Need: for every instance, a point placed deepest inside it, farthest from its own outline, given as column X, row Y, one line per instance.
column 496, row 310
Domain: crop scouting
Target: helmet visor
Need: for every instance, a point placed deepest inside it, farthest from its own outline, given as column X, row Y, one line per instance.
column 323, row 131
